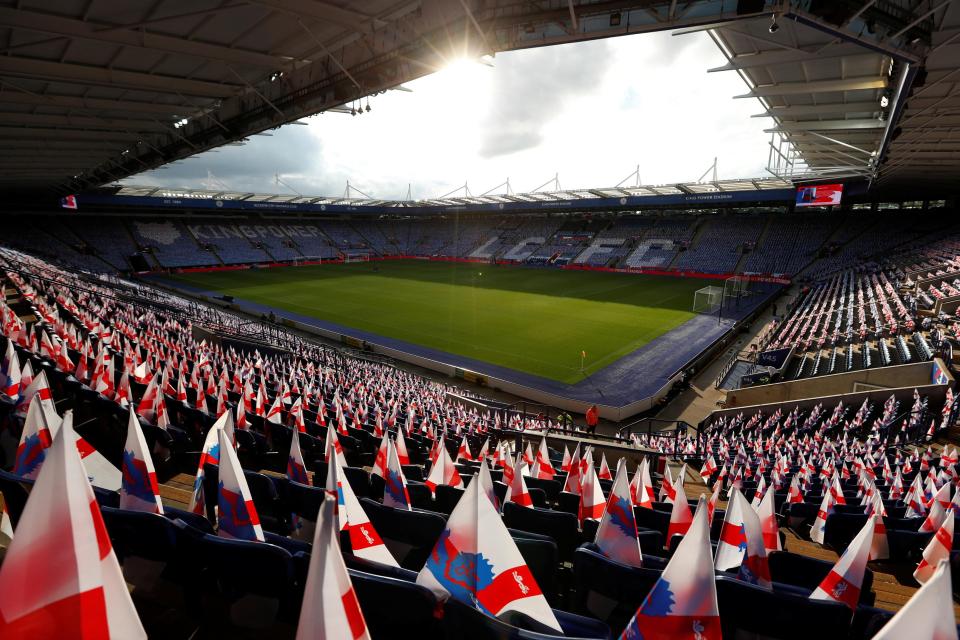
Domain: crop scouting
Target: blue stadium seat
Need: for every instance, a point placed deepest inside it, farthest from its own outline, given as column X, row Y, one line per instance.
column 446, row 498
column 464, row 622
column 195, row 520
column 409, row 535
column 807, row 573
column 395, row 608
column 561, row 527
column 139, row 533
column 748, row 610
column 609, row 590
column 255, row 582
column 15, row 493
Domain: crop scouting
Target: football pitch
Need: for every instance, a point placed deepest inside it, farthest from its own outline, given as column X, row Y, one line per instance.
column 533, row 320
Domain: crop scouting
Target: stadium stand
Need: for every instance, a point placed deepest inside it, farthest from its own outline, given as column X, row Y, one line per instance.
column 102, row 350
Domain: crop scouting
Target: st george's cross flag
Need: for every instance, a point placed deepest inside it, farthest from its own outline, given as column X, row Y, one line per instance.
column 60, row 577
column 296, row 469
column 395, row 492
column 928, row 613
column 683, row 601
column 517, row 489
column 680, row 516
column 768, row 522
column 476, row 562
column 938, row 549
column 334, row 441
column 443, row 471
column 845, row 579
column 592, row 500
column 10, row 373
column 330, row 605
column 545, row 470
column 138, row 489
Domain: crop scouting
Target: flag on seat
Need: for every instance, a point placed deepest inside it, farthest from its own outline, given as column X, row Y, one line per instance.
column 928, row 613
column 296, row 469
column 617, row 534
column 380, row 460
column 592, row 500
column 938, row 549
column 236, row 514
column 138, row 489
column 517, row 489
column 680, row 516
column 10, row 373
column 443, row 470
column 733, row 536
column 60, row 577
column 545, row 470
column 754, row 566
column 365, row 542
column 210, row 454
column 843, row 582
column 820, row 522
column 39, row 428
column 395, row 492
column 330, row 606
column 768, row 522
column 683, row 601
column 334, row 441
column 476, row 562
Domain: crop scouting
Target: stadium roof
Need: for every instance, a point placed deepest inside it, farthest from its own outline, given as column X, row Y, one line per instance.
column 721, row 186
column 93, row 91
column 854, row 106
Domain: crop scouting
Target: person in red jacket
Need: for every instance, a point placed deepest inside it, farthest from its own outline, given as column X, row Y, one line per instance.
column 593, row 417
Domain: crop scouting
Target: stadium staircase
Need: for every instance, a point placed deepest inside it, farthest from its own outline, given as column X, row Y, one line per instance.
column 200, row 247
column 745, row 255
column 373, row 246
column 694, row 240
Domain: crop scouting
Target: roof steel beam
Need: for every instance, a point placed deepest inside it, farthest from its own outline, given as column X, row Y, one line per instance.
column 79, row 122
column 94, row 104
column 819, row 86
column 325, row 12
column 82, row 74
column 142, row 39
column 770, row 58
column 820, row 109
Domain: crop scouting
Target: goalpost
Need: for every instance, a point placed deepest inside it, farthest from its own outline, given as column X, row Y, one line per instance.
column 356, row 257
column 736, row 287
column 707, row 299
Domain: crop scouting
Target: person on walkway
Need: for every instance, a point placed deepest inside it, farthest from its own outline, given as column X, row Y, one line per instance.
column 593, row 417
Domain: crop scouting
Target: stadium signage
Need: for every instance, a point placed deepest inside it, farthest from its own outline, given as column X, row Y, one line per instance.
column 214, row 231
column 784, row 196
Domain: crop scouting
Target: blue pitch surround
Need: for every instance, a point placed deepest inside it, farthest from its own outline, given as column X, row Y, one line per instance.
column 635, row 377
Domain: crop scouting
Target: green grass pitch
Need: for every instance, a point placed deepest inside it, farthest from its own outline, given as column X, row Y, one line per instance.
column 533, row 320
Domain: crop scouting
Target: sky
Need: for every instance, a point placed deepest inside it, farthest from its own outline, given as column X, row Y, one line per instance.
column 589, row 112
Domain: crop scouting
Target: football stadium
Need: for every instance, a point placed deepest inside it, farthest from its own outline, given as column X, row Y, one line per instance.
column 238, row 400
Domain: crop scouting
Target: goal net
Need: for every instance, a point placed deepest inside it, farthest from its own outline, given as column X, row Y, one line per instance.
column 736, row 287
column 357, row 257
column 707, row 299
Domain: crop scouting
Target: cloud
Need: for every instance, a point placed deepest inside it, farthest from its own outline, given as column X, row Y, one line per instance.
column 590, row 111
column 532, row 87
column 288, row 151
